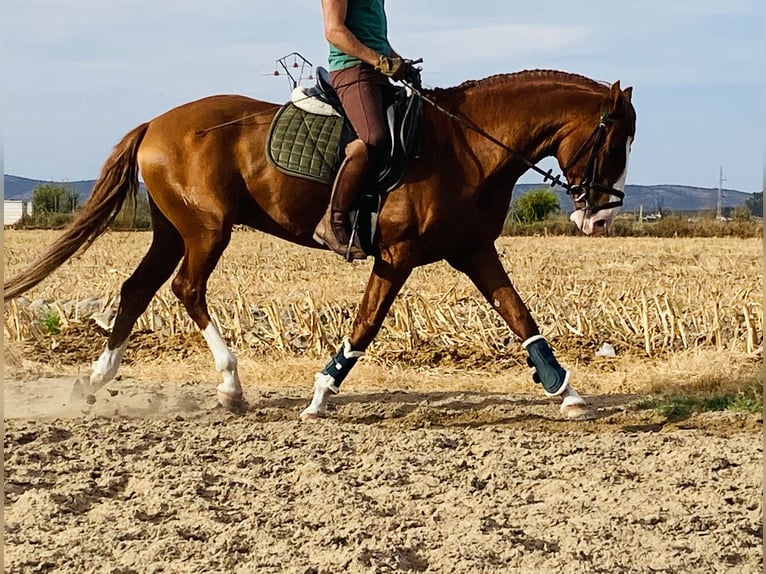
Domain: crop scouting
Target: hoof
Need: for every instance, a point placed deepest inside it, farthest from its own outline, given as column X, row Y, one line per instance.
column 82, row 391
column 578, row 412
column 310, row 414
column 234, row 403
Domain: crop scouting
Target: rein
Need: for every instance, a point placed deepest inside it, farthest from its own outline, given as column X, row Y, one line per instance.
column 580, row 192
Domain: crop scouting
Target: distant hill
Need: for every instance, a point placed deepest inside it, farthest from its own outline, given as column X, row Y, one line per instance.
column 21, row 188
column 670, row 197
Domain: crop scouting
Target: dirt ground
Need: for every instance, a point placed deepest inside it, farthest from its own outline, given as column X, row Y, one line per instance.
column 154, row 477
column 441, row 455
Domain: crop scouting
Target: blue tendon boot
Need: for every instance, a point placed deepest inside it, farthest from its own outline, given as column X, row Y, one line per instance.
column 328, row 380
column 340, row 365
column 548, row 372
column 554, row 379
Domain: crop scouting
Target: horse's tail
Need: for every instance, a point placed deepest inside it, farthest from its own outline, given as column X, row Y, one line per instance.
column 117, row 182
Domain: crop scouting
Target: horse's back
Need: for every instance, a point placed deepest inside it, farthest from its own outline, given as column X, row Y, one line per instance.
column 205, row 161
column 212, row 126
column 210, row 115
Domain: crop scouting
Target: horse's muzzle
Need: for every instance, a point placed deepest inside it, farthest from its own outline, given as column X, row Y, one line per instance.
column 594, row 224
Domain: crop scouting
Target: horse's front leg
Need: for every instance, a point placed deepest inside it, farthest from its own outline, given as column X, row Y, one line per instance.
column 485, row 270
column 385, row 282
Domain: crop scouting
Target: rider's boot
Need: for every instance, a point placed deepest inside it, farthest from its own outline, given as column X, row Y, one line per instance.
column 333, row 229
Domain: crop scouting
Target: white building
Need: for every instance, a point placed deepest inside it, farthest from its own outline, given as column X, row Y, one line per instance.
column 14, row 210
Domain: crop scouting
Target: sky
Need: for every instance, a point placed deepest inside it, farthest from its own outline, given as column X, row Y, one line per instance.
column 79, row 74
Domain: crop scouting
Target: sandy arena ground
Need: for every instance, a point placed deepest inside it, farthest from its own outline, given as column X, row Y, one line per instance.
column 154, row 477
column 438, row 458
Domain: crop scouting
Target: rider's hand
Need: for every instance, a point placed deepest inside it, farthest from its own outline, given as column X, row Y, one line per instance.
column 397, row 69
column 389, row 66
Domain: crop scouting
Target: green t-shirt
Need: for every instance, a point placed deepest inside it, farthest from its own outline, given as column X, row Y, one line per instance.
column 367, row 21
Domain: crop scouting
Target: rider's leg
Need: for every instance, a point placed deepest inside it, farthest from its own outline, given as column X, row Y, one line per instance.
column 361, row 91
column 332, row 230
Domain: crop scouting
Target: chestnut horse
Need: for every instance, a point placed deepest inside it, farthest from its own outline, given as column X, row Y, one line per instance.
column 479, row 138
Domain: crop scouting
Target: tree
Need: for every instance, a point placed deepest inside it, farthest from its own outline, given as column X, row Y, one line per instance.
column 741, row 213
column 53, row 205
column 54, row 198
column 535, row 205
column 755, row 204
column 134, row 216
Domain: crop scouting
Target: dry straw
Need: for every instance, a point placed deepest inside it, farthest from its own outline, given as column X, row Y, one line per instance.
column 644, row 296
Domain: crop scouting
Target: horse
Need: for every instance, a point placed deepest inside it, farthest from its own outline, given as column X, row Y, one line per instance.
column 205, row 170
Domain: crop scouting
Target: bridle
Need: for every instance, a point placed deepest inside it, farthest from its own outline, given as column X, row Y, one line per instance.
column 580, row 193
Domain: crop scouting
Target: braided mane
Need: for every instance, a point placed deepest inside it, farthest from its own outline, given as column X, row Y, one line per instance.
column 501, row 79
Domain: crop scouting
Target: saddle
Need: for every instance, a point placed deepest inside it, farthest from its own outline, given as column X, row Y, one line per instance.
column 309, row 134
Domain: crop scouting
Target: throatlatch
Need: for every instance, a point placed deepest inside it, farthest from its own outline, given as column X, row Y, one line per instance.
column 548, row 372
column 340, row 365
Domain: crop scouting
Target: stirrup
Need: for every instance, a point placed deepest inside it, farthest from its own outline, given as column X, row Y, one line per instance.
column 351, row 246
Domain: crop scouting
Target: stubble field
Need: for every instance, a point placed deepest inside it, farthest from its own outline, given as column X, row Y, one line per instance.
column 440, row 456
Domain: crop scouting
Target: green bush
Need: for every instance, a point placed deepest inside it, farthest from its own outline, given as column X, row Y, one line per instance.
column 755, row 204
column 552, row 225
column 534, row 206
column 54, row 198
column 50, row 197
column 741, row 213
column 51, row 322
column 136, row 216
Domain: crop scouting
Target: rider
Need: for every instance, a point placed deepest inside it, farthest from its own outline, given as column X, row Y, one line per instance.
column 361, row 63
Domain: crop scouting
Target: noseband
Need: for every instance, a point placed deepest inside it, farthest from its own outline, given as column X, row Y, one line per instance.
column 581, row 193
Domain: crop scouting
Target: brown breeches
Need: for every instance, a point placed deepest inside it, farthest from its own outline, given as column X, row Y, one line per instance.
column 361, row 90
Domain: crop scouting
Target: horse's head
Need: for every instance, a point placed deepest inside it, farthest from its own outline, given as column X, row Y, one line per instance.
column 594, row 158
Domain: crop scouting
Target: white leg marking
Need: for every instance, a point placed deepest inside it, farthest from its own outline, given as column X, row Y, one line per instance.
column 571, row 398
column 230, row 390
column 573, row 406
column 324, row 386
column 105, row 368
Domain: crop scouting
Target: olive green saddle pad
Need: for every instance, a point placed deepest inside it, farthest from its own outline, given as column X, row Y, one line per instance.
column 304, row 144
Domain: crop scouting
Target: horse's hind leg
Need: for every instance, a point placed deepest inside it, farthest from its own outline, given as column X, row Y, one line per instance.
column 190, row 286
column 137, row 291
column 483, row 267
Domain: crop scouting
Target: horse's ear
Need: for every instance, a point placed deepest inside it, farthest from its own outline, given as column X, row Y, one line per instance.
column 628, row 92
column 615, row 97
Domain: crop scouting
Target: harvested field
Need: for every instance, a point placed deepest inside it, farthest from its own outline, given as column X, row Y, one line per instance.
column 441, row 455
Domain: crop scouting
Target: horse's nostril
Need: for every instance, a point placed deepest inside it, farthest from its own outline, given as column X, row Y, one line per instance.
column 600, row 224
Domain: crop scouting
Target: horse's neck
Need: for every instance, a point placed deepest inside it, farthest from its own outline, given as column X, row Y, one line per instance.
column 530, row 118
